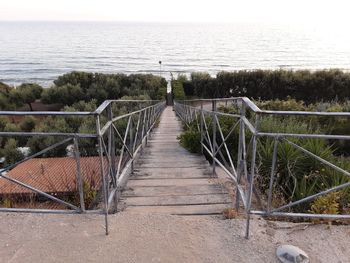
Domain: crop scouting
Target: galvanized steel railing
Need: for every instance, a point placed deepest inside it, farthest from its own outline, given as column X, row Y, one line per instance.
column 117, row 140
column 243, row 173
column 132, row 137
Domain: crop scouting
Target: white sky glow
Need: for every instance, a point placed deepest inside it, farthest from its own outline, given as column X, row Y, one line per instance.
column 281, row 11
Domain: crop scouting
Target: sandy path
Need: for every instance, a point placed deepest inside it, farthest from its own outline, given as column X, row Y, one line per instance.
column 160, row 238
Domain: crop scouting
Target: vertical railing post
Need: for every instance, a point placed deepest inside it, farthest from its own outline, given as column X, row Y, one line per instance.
column 80, row 183
column 146, row 126
column 131, row 143
column 201, row 126
column 252, row 173
column 241, row 148
column 143, row 126
column 111, row 145
column 272, row 176
column 214, row 135
column 137, row 132
column 104, row 181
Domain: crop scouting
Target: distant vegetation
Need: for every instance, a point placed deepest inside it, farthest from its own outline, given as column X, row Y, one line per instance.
column 178, row 89
column 82, row 86
column 27, row 93
column 309, row 86
column 75, row 91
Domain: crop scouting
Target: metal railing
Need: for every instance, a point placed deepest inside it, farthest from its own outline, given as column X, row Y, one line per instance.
column 203, row 115
column 99, row 163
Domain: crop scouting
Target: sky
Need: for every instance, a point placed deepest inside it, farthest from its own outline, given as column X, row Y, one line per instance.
column 331, row 12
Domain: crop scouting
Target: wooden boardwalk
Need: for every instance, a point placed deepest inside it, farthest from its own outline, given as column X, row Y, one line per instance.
column 169, row 179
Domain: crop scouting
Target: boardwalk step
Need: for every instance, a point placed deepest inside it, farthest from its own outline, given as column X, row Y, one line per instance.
column 168, row 176
column 178, row 200
column 181, row 210
column 174, row 190
column 169, row 179
column 169, row 182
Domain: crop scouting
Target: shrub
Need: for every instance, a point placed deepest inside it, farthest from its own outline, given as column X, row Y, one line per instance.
column 327, row 204
column 190, row 139
column 178, row 90
column 76, row 86
column 89, row 194
column 311, row 86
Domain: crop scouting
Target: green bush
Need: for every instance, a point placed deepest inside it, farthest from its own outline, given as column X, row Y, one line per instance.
column 191, row 140
column 76, row 86
column 310, row 86
column 327, row 204
column 178, row 90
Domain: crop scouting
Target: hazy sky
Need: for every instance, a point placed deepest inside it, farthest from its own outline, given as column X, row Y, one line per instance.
column 283, row 11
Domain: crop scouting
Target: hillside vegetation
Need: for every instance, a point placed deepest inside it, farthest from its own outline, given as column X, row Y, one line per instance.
column 309, row 86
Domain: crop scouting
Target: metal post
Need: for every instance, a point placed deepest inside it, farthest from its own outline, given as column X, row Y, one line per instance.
column 201, row 126
column 79, row 178
column 146, row 125
column 241, row 148
column 137, row 132
column 111, row 145
column 143, row 125
column 273, row 167
column 131, row 147
column 252, row 174
column 214, row 136
column 105, row 188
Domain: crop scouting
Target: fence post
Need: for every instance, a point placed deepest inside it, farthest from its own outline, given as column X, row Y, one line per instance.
column 79, row 178
column 104, row 182
column 214, row 134
column 241, row 151
column 131, row 147
column 201, row 126
column 272, row 176
column 252, row 173
column 146, row 126
column 111, row 145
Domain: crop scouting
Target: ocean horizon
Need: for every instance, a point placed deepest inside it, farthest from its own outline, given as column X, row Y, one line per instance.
column 40, row 51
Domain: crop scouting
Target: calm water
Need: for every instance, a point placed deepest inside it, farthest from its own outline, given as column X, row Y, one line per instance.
column 39, row 52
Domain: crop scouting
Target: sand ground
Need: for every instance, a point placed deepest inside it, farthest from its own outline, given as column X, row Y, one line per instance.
column 137, row 237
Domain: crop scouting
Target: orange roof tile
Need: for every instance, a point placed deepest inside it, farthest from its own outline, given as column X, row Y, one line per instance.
column 52, row 175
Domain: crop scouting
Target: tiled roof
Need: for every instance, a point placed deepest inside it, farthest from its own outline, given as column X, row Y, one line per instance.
column 52, row 175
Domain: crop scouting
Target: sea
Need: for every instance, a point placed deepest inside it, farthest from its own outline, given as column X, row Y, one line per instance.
column 40, row 51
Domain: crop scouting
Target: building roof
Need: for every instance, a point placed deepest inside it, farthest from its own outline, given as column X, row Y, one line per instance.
column 52, row 175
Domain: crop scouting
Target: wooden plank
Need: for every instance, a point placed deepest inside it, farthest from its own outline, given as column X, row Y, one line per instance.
column 187, row 170
column 179, row 200
column 173, row 190
column 169, row 182
column 167, row 176
column 215, row 209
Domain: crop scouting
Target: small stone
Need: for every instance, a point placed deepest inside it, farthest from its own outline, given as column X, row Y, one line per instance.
column 291, row 254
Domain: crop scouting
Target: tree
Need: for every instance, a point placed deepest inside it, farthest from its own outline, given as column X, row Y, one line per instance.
column 11, row 153
column 26, row 93
column 66, row 94
column 178, row 90
column 4, row 88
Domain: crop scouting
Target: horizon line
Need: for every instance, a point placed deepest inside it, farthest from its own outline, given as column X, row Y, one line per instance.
column 159, row 21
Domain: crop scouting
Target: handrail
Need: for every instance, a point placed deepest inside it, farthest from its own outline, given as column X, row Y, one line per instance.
column 106, row 103
column 244, row 191
column 99, row 110
column 132, row 139
column 257, row 110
